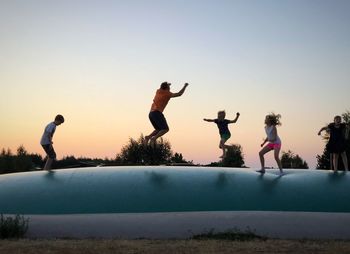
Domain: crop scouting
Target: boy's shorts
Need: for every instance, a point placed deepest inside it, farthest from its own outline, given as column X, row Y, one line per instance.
column 50, row 152
column 225, row 136
column 158, row 120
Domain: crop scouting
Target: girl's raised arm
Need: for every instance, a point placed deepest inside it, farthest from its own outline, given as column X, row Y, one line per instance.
column 322, row 129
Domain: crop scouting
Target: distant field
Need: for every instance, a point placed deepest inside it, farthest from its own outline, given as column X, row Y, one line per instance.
column 170, row 246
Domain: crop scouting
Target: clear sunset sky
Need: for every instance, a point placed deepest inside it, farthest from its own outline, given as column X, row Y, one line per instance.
column 99, row 63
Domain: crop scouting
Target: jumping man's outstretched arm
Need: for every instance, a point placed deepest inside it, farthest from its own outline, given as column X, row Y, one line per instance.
column 208, row 120
column 180, row 92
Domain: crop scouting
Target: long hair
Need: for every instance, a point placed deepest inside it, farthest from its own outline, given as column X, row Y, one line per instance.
column 274, row 119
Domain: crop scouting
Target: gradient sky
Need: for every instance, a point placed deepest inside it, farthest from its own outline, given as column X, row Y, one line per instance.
column 99, row 62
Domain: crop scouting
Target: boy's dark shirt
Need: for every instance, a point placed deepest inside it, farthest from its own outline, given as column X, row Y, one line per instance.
column 223, row 126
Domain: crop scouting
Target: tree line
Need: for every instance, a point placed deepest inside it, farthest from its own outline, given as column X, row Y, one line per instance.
column 133, row 153
column 136, row 153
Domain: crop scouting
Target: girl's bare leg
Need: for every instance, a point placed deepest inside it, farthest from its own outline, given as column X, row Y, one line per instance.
column 277, row 158
column 265, row 149
column 335, row 161
column 345, row 161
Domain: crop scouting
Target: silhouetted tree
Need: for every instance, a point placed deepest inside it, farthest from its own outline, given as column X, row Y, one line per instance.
column 7, row 161
column 291, row 160
column 72, row 162
column 66, row 162
column 234, row 158
column 136, row 153
column 37, row 161
column 323, row 161
column 178, row 158
column 22, row 160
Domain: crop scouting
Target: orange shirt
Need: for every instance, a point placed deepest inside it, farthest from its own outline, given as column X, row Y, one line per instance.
column 160, row 100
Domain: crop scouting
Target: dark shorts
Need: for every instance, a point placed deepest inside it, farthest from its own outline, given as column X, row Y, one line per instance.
column 50, row 152
column 225, row 136
column 158, row 120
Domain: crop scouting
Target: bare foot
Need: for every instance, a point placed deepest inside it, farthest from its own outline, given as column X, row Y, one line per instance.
column 262, row 171
column 152, row 141
column 145, row 141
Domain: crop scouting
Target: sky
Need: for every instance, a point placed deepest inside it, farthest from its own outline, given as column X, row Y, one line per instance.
column 99, row 63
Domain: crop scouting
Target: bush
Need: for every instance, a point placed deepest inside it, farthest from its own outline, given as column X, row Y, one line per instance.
column 234, row 158
column 7, row 161
column 22, row 160
column 291, row 160
column 13, row 227
column 136, row 153
column 230, row 235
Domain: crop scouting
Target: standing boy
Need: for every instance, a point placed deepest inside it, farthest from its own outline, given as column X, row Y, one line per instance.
column 161, row 99
column 46, row 140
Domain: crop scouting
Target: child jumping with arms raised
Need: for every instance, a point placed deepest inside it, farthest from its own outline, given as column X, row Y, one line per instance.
column 271, row 121
column 222, row 124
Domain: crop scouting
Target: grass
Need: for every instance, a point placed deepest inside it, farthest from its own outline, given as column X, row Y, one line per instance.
column 89, row 246
column 231, row 235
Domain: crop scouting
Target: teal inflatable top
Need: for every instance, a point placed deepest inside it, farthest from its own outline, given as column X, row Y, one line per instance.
column 172, row 189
